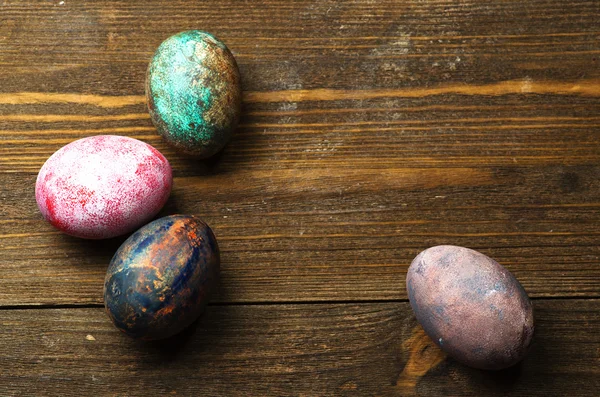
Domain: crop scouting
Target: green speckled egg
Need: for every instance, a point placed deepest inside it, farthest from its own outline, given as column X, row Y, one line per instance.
column 193, row 92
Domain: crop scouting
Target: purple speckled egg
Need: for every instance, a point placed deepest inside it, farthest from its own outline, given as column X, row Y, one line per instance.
column 103, row 186
column 472, row 307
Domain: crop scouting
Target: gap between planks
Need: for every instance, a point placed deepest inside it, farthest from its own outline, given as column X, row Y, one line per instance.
column 277, row 303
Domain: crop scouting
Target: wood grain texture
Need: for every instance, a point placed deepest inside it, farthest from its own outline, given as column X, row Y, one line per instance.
column 374, row 349
column 282, row 239
column 371, row 130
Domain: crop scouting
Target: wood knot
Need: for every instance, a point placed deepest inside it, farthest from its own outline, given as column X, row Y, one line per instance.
column 423, row 356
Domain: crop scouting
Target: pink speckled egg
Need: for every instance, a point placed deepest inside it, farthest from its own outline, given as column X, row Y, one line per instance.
column 103, row 186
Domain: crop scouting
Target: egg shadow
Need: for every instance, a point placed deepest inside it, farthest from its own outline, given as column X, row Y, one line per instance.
column 182, row 363
column 88, row 255
column 501, row 381
column 486, row 382
column 98, row 248
column 191, row 166
column 507, row 380
column 186, row 346
column 166, row 350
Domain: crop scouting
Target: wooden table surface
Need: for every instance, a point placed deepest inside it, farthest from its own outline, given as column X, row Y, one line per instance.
column 371, row 130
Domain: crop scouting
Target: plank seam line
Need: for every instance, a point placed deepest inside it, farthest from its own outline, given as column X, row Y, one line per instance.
column 270, row 303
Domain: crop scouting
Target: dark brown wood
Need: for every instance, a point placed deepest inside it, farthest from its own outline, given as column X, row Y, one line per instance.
column 371, row 130
column 288, row 350
column 303, row 235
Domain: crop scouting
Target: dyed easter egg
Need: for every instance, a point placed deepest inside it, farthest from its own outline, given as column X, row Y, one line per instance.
column 103, row 186
column 472, row 307
column 160, row 279
column 193, row 92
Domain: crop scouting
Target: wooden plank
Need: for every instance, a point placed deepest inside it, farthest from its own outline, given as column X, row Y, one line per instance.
column 294, row 237
column 371, row 130
column 359, row 84
column 379, row 134
column 288, row 350
column 102, row 47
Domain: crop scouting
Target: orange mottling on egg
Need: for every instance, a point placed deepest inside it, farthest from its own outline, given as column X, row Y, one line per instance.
column 174, row 261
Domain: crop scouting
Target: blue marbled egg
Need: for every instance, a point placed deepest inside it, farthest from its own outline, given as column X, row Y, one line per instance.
column 161, row 277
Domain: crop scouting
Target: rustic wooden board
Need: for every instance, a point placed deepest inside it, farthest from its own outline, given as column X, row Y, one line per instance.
column 320, row 245
column 371, row 131
column 374, row 349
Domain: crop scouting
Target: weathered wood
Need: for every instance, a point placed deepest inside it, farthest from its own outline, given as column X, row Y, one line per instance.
column 102, row 47
column 288, row 350
column 371, row 131
column 304, row 235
